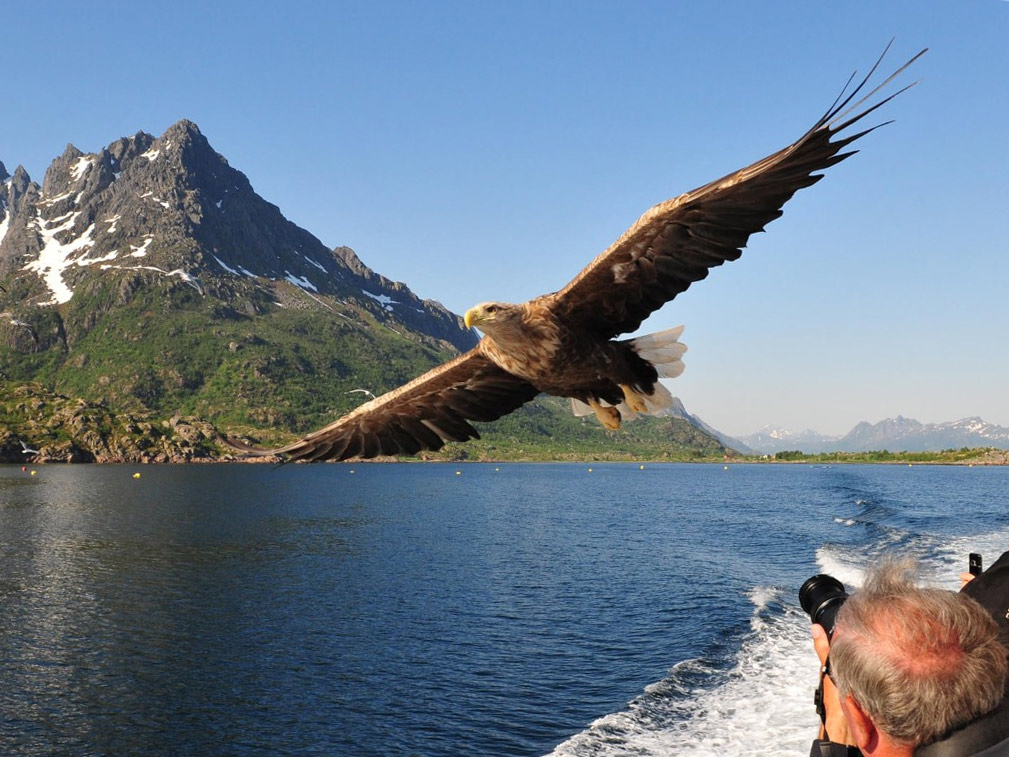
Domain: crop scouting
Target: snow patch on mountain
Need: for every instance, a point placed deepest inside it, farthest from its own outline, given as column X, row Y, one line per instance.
column 300, row 281
column 384, row 300
column 57, row 256
column 184, row 275
column 81, row 166
column 141, row 251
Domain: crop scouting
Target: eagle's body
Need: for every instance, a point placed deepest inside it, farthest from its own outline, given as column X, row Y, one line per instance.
column 565, row 343
column 535, row 342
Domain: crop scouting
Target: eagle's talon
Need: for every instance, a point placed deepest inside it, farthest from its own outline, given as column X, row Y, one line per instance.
column 608, row 416
column 635, row 401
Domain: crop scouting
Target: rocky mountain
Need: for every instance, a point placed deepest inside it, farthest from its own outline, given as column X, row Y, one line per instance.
column 151, row 275
column 677, row 410
column 906, row 434
column 148, row 286
column 172, row 207
column 894, row 434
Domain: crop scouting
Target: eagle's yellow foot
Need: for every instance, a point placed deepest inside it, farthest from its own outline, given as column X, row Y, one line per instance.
column 634, row 401
column 608, row 416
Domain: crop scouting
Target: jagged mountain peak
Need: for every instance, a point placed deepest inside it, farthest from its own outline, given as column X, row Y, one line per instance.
column 900, row 422
column 172, row 209
column 150, row 271
column 20, row 179
column 183, row 129
column 3, row 172
column 182, row 142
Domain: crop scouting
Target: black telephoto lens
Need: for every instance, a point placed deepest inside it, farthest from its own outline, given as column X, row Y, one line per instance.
column 821, row 597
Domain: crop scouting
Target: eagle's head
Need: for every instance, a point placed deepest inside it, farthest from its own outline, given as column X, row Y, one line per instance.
column 496, row 319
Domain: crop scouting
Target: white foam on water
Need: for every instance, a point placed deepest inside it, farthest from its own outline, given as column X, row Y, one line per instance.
column 952, row 555
column 847, row 568
column 761, row 706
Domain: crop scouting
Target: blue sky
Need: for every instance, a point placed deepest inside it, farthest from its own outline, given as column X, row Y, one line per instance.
column 489, row 150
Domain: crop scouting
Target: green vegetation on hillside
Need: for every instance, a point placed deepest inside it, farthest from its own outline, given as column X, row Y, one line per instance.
column 256, row 366
column 143, row 367
column 72, row 430
column 272, row 363
column 546, row 430
column 979, row 455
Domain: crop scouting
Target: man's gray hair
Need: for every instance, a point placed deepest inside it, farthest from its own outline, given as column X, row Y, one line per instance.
column 920, row 662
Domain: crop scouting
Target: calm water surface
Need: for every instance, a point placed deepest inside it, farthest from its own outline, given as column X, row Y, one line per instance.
column 443, row 610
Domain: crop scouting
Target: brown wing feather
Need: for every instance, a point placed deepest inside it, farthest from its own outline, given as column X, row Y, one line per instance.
column 423, row 414
column 678, row 241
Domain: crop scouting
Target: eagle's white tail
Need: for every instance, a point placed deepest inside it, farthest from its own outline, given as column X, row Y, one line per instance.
column 664, row 351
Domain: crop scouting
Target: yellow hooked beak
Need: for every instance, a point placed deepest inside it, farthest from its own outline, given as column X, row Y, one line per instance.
column 473, row 315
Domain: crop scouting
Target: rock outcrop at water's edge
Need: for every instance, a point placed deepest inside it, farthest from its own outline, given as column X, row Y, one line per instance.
column 60, row 429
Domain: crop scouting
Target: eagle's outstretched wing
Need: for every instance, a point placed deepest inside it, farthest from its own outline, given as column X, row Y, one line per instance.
column 676, row 242
column 423, row 414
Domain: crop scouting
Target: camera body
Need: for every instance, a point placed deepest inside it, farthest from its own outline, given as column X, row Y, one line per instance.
column 821, row 597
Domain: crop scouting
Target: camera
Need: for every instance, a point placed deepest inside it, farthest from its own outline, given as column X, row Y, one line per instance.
column 821, row 597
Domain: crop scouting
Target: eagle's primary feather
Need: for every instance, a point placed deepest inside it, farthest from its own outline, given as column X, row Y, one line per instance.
column 562, row 343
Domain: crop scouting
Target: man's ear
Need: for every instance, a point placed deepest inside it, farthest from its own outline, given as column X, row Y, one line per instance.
column 863, row 730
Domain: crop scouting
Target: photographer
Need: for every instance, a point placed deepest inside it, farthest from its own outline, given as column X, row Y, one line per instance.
column 911, row 672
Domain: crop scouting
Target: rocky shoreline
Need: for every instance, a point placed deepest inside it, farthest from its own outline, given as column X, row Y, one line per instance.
column 60, row 429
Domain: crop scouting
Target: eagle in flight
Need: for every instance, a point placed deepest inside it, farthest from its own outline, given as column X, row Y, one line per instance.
column 564, row 343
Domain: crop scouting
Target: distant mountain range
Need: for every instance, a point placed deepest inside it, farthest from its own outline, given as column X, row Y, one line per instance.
column 894, row 434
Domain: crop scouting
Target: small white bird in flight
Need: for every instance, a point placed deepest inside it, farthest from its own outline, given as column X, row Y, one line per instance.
column 362, row 391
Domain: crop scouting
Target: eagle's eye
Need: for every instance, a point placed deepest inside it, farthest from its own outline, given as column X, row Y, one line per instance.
column 491, row 308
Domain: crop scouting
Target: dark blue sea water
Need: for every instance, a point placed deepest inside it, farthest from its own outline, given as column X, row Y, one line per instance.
column 444, row 610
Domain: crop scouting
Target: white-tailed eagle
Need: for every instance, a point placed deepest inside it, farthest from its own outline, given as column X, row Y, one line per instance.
column 564, row 343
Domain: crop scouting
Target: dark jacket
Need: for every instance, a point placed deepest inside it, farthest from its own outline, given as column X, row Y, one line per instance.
column 987, row 737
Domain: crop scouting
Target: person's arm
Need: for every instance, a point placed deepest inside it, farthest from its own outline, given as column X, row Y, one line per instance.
column 834, row 738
